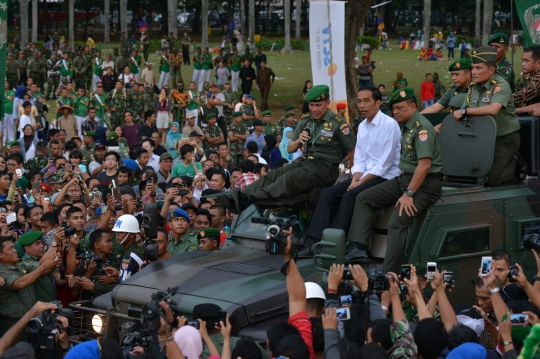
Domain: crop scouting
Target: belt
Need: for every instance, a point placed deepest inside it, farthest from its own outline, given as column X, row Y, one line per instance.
column 508, row 134
column 429, row 175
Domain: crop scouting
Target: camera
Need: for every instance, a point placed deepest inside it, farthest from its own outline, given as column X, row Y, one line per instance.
column 45, row 326
column 182, row 192
column 87, row 257
column 514, row 271
column 531, row 239
column 194, row 324
column 276, row 240
column 377, row 279
column 69, row 231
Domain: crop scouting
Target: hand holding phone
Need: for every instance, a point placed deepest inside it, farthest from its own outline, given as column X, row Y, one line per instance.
column 343, row 313
column 405, row 271
column 485, row 267
column 431, row 270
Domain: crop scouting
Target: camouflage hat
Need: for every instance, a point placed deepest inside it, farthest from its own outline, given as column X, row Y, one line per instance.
column 482, row 55
column 209, row 233
column 460, row 64
column 210, row 116
column 237, row 113
column 458, row 100
column 29, row 237
column 266, row 113
column 500, row 38
column 318, row 93
column 401, row 95
column 289, row 108
column 56, row 179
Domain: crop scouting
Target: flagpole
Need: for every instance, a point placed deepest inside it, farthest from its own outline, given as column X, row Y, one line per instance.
column 512, row 29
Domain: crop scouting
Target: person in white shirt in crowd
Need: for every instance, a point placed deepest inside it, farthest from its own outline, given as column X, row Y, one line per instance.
column 376, row 159
column 153, row 161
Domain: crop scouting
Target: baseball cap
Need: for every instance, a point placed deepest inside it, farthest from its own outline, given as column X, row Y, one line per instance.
column 258, row 123
column 100, row 147
column 164, row 156
column 194, row 134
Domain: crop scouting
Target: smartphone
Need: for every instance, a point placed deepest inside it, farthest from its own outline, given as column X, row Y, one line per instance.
column 447, row 278
column 12, row 217
column 223, row 317
column 182, row 192
column 519, row 319
column 46, row 199
column 485, row 266
column 405, row 271
column 194, row 324
column 91, row 197
column 343, row 313
column 37, row 186
column 149, row 181
column 18, row 172
column 116, row 194
column 98, row 195
column 403, row 289
column 431, row 270
column 113, row 183
column 346, row 300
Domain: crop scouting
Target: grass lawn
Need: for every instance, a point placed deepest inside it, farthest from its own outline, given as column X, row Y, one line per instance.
column 293, row 69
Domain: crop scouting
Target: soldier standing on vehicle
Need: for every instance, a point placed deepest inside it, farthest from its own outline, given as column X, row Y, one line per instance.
column 417, row 188
column 186, row 41
column 329, row 136
column 490, row 95
column 126, row 228
column 500, row 41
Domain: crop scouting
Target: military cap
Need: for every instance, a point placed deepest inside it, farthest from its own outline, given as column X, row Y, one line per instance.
column 210, row 116
column 237, row 113
column 112, row 136
column 421, row 269
column 26, row 104
column 499, row 38
column 457, row 101
column 460, row 64
column 266, row 113
column 14, row 143
column 209, row 233
column 258, row 123
column 318, row 93
column 44, row 187
column 250, row 97
column 56, row 179
column 288, row 108
column 92, row 133
column 482, row 55
column 188, row 205
column 178, row 213
column 341, row 106
column 164, row 156
column 99, row 146
column 29, row 237
column 401, row 95
column 289, row 114
column 19, row 249
column 101, row 210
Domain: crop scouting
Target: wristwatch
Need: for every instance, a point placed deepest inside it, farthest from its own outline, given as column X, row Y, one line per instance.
column 409, row 192
column 464, row 111
column 507, row 343
column 536, row 278
column 493, row 291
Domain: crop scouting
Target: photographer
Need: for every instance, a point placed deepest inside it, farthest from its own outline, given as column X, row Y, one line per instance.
column 17, row 295
column 181, row 239
column 127, row 227
column 91, row 276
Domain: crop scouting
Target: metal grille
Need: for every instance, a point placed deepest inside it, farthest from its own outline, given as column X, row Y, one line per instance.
column 241, row 268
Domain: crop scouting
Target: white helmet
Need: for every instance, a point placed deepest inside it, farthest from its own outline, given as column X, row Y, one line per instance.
column 127, row 223
column 313, row 290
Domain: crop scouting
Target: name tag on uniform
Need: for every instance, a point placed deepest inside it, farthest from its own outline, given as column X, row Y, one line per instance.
column 473, row 101
column 486, row 99
column 327, row 133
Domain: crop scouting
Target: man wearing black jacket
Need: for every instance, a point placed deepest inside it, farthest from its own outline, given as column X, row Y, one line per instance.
column 247, row 75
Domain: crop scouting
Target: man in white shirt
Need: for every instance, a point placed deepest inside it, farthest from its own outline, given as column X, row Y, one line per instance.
column 153, row 160
column 147, row 75
column 376, row 159
column 25, row 117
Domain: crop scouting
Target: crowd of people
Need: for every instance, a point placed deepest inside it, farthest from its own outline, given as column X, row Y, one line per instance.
column 72, row 194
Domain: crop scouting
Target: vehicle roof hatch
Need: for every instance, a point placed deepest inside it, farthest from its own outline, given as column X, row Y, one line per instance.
column 467, row 149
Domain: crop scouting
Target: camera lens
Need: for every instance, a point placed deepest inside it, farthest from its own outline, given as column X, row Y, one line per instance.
column 531, row 241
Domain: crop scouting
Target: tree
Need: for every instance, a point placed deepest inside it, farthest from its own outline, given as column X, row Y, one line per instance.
column 204, row 11
column 287, row 14
column 488, row 20
column 252, row 16
column 477, row 24
column 71, row 30
column 24, row 21
column 427, row 18
column 34, row 20
column 243, row 18
column 123, row 16
column 355, row 15
column 107, row 16
column 172, row 6
column 298, row 19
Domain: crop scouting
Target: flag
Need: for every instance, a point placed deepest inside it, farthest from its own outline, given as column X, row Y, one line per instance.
column 3, row 48
column 529, row 15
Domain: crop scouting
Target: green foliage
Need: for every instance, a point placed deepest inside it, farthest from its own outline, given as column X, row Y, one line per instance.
column 373, row 42
column 40, row 44
column 521, row 39
column 302, row 45
column 266, row 44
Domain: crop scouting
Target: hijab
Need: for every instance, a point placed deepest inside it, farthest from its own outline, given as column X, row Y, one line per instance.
column 285, row 142
column 175, row 136
column 189, row 341
column 28, row 139
column 19, row 92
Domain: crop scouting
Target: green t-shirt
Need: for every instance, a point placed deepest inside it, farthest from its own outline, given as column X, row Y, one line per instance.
column 182, row 170
column 9, row 96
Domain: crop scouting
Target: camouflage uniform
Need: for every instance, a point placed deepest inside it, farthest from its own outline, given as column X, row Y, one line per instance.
column 212, row 132
column 136, row 104
column 12, row 73
column 79, row 68
column 124, row 46
column 89, row 67
column 99, row 288
column 236, row 148
column 36, row 164
column 282, row 123
column 34, row 68
column 149, row 101
column 271, row 129
column 505, row 70
column 172, row 44
column 21, row 62
column 119, row 100
column 227, row 112
column 120, row 63
column 53, row 77
column 403, row 346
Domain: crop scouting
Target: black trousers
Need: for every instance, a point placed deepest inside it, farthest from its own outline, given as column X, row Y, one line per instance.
column 246, row 86
column 336, row 207
column 221, row 124
column 185, row 55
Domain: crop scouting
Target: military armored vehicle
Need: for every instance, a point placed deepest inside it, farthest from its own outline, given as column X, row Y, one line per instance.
column 469, row 221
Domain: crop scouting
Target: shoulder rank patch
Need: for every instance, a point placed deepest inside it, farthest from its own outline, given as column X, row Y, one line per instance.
column 345, row 129
column 497, row 89
column 418, row 124
column 306, row 115
column 494, row 82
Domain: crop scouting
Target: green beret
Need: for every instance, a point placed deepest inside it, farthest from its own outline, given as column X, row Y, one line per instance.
column 210, row 116
column 318, row 93
column 499, row 38
column 482, row 55
column 460, row 64
column 266, row 113
column 90, row 133
column 209, row 233
column 401, row 95
column 458, row 100
column 112, row 135
column 14, row 143
column 288, row 114
column 19, row 249
column 288, row 108
column 237, row 113
column 421, row 269
column 29, row 237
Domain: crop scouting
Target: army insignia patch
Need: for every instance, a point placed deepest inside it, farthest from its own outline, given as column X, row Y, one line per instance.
column 323, row 96
column 202, row 234
column 402, row 94
column 423, row 136
column 458, row 65
column 345, row 130
column 497, row 89
column 409, row 147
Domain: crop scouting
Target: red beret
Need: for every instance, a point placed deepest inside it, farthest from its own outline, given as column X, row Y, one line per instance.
column 44, row 187
column 342, row 106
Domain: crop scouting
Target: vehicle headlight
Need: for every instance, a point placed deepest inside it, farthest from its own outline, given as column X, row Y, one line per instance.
column 97, row 323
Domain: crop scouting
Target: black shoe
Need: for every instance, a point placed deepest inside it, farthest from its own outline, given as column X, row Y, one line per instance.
column 522, row 170
column 357, row 254
column 241, row 200
column 226, row 202
column 306, row 252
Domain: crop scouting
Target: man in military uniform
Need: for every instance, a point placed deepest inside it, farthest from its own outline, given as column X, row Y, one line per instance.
column 207, row 109
column 64, row 48
column 269, row 127
column 37, row 163
column 330, row 135
column 238, row 132
column 175, row 60
column 490, row 95
column 12, row 71
column 17, row 295
column 136, row 102
column 186, row 41
column 282, row 122
column 172, row 43
column 21, row 63
column 250, row 112
column 79, row 69
column 120, row 63
column 228, row 106
column 89, row 147
column 500, row 41
column 118, row 101
column 182, row 239
column 34, row 67
column 461, row 77
column 124, row 45
column 145, row 43
column 53, row 76
column 27, row 51
column 417, row 188
column 529, row 93
column 66, row 70
column 213, row 135
column 149, row 100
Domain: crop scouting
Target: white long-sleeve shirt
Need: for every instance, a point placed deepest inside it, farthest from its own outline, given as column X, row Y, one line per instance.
column 378, row 147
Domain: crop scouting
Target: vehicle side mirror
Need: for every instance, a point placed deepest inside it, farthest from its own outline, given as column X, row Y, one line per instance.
column 330, row 250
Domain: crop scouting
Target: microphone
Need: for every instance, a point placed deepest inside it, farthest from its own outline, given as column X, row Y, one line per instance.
column 308, row 130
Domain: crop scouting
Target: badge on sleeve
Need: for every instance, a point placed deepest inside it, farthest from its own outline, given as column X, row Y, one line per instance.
column 497, row 89
column 345, row 129
column 423, row 136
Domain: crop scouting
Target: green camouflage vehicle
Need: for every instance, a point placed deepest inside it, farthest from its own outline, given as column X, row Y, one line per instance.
column 468, row 222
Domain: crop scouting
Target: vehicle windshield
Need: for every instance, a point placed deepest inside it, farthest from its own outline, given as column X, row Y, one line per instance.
column 254, row 221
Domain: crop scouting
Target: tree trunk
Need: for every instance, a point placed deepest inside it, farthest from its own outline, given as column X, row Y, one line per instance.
column 34, row 21
column 172, row 6
column 71, row 30
column 24, row 22
column 427, row 19
column 355, row 15
column 204, row 12
column 107, row 25
column 87, row 18
column 243, row 18
column 488, row 19
column 477, row 34
column 123, row 16
column 287, row 14
column 251, row 40
column 298, row 18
